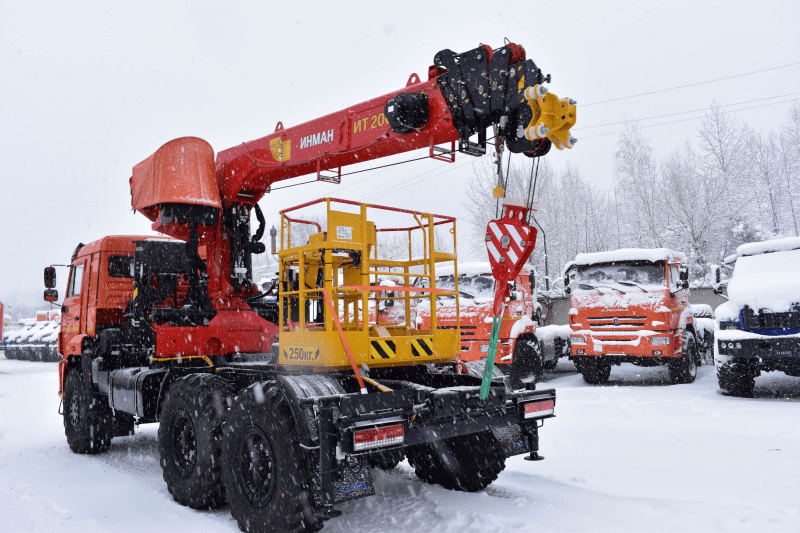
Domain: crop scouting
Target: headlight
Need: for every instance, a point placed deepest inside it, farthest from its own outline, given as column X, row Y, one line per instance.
column 659, row 341
column 577, row 339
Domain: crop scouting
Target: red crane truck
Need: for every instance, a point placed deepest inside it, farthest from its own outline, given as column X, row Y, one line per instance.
column 175, row 331
column 631, row 306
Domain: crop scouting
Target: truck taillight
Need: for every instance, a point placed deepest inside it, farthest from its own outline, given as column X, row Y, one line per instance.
column 538, row 409
column 365, row 439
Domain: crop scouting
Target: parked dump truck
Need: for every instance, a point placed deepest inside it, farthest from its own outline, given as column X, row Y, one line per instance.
column 518, row 354
column 631, row 306
column 273, row 402
column 759, row 326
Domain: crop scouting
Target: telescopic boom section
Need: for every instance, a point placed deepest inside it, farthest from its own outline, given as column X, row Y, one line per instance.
column 464, row 94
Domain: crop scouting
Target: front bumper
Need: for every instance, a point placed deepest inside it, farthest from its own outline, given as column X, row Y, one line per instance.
column 767, row 352
column 624, row 343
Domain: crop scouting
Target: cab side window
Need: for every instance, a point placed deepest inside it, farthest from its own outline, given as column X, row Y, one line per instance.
column 673, row 278
column 75, row 280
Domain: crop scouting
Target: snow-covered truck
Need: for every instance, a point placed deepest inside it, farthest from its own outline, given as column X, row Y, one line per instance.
column 759, row 325
column 519, row 355
column 631, row 306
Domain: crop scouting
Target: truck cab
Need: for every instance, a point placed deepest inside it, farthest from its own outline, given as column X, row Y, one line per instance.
column 759, row 325
column 631, row 306
column 518, row 353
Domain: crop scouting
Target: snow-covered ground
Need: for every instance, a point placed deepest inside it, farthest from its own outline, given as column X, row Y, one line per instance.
column 637, row 454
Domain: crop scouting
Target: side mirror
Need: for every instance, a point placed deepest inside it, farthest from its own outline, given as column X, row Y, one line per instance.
column 718, row 275
column 567, row 288
column 389, row 303
column 684, row 284
column 684, row 274
column 51, row 295
column 50, row 278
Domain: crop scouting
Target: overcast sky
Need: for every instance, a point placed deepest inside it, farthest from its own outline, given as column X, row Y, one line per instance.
column 89, row 89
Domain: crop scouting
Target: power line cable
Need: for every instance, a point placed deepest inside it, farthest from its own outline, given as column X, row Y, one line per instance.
column 685, row 112
column 691, row 84
column 688, row 119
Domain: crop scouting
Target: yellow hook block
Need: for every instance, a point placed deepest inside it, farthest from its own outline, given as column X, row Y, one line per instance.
column 552, row 117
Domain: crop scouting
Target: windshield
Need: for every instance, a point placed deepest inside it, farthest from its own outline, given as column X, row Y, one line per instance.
column 476, row 286
column 642, row 273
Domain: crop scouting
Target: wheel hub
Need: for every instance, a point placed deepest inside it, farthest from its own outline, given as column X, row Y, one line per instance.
column 184, row 443
column 256, row 466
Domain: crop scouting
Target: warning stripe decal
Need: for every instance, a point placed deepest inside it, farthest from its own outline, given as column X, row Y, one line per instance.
column 380, row 349
column 422, row 346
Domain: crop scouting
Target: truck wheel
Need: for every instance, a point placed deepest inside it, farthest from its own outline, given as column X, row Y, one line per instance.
column 264, row 471
column 684, row 370
column 737, row 378
column 468, row 463
column 190, row 439
column 593, row 372
column 88, row 420
column 386, row 460
column 526, row 365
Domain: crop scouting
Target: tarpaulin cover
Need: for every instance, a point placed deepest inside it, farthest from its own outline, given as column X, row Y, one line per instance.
column 180, row 172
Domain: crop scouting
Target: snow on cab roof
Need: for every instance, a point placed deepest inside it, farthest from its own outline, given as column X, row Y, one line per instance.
column 626, row 254
column 774, row 245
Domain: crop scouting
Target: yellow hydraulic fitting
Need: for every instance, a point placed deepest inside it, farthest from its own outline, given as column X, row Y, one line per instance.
column 552, row 117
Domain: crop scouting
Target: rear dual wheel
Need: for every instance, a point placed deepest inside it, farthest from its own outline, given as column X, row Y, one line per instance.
column 265, row 474
column 467, row 463
column 190, row 439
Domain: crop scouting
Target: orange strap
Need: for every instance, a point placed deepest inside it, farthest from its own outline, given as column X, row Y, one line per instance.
column 349, row 353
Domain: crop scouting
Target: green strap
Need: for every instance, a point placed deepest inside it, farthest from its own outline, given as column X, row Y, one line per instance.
column 488, row 370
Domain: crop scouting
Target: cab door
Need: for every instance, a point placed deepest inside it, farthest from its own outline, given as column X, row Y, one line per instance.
column 73, row 317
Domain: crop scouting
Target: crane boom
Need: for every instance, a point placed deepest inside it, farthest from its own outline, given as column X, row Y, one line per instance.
column 189, row 196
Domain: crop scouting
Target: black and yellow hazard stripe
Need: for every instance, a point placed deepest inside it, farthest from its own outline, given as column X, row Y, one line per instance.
column 423, row 346
column 381, row 349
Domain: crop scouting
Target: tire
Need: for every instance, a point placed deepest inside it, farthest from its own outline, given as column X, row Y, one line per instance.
column 190, row 439
column 526, row 365
column 684, row 370
column 551, row 364
column 593, row 372
column 468, row 463
column 260, row 435
column 737, row 378
column 386, row 460
column 88, row 420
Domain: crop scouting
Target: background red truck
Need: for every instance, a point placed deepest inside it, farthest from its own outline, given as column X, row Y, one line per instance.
column 519, row 354
column 631, row 306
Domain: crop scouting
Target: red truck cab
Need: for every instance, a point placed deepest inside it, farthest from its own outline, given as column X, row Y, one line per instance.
column 631, row 306
column 518, row 353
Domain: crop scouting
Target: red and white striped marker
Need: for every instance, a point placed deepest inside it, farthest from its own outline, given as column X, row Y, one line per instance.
column 510, row 243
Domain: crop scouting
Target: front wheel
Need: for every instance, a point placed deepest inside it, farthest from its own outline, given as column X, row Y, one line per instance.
column 594, row 372
column 88, row 420
column 265, row 474
column 468, row 463
column 190, row 439
column 737, row 378
column 526, row 365
column 684, row 370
